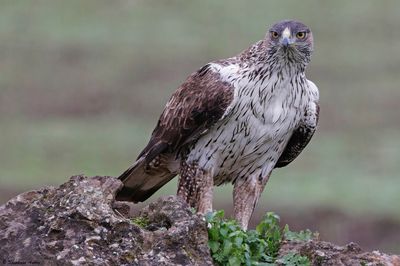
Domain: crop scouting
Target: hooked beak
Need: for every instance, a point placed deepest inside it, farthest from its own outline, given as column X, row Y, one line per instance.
column 285, row 42
column 286, row 39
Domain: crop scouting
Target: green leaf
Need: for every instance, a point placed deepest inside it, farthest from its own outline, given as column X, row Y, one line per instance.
column 234, row 227
column 294, row 259
column 238, row 241
column 235, row 233
column 214, row 246
column 213, row 234
column 223, row 232
column 220, row 214
column 227, row 246
column 234, row 261
column 209, row 217
column 140, row 221
column 298, row 236
column 218, row 257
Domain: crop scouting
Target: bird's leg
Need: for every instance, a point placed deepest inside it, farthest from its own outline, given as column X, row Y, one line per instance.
column 246, row 193
column 195, row 186
column 205, row 195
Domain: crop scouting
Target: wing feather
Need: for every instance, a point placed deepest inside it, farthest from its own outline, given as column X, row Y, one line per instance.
column 299, row 140
column 197, row 105
column 192, row 110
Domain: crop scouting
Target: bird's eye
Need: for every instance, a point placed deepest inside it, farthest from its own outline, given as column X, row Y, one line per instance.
column 274, row 34
column 301, row 35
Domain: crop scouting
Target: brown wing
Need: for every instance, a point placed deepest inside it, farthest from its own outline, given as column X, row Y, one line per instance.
column 193, row 109
column 297, row 142
column 198, row 104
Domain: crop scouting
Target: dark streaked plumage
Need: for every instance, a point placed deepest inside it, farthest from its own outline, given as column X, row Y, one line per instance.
column 233, row 120
column 193, row 108
column 297, row 142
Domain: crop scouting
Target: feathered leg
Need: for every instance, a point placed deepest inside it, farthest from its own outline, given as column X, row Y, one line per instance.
column 246, row 193
column 195, row 186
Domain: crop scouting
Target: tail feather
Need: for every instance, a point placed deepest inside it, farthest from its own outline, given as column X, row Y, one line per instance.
column 140, row 183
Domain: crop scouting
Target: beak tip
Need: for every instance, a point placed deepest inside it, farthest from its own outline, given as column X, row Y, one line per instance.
column 285, row 42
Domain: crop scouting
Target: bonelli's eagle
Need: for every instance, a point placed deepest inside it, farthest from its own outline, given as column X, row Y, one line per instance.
column 234, row 120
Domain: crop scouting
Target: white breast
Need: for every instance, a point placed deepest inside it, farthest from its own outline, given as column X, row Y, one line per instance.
column 252, row 136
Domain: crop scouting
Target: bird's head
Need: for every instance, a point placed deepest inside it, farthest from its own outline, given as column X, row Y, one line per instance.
column 291, row 40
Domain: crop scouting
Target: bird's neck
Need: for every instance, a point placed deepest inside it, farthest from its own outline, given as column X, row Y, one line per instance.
column 277, row 73
column 264, row 59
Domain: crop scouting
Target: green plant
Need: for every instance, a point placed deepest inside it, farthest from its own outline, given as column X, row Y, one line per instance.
column 270, row 231
column 231, row 245
column 140, row 221
column 298, row 236
column 294, row 259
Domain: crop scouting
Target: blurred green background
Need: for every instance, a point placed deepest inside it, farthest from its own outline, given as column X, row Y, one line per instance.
column 82, row 84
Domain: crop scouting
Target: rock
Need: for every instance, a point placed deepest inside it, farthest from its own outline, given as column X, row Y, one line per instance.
column 328, row 254
column 76, row 224
column 79, row 223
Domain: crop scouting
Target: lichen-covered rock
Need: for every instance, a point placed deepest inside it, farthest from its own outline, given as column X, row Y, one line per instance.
column 75, row 224
column 79, row 223
column 327, row 254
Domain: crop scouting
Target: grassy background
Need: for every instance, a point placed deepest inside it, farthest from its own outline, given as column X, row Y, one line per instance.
column 82, row 84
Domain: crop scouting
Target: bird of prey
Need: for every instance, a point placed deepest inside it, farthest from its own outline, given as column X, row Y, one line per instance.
column 233, row 120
